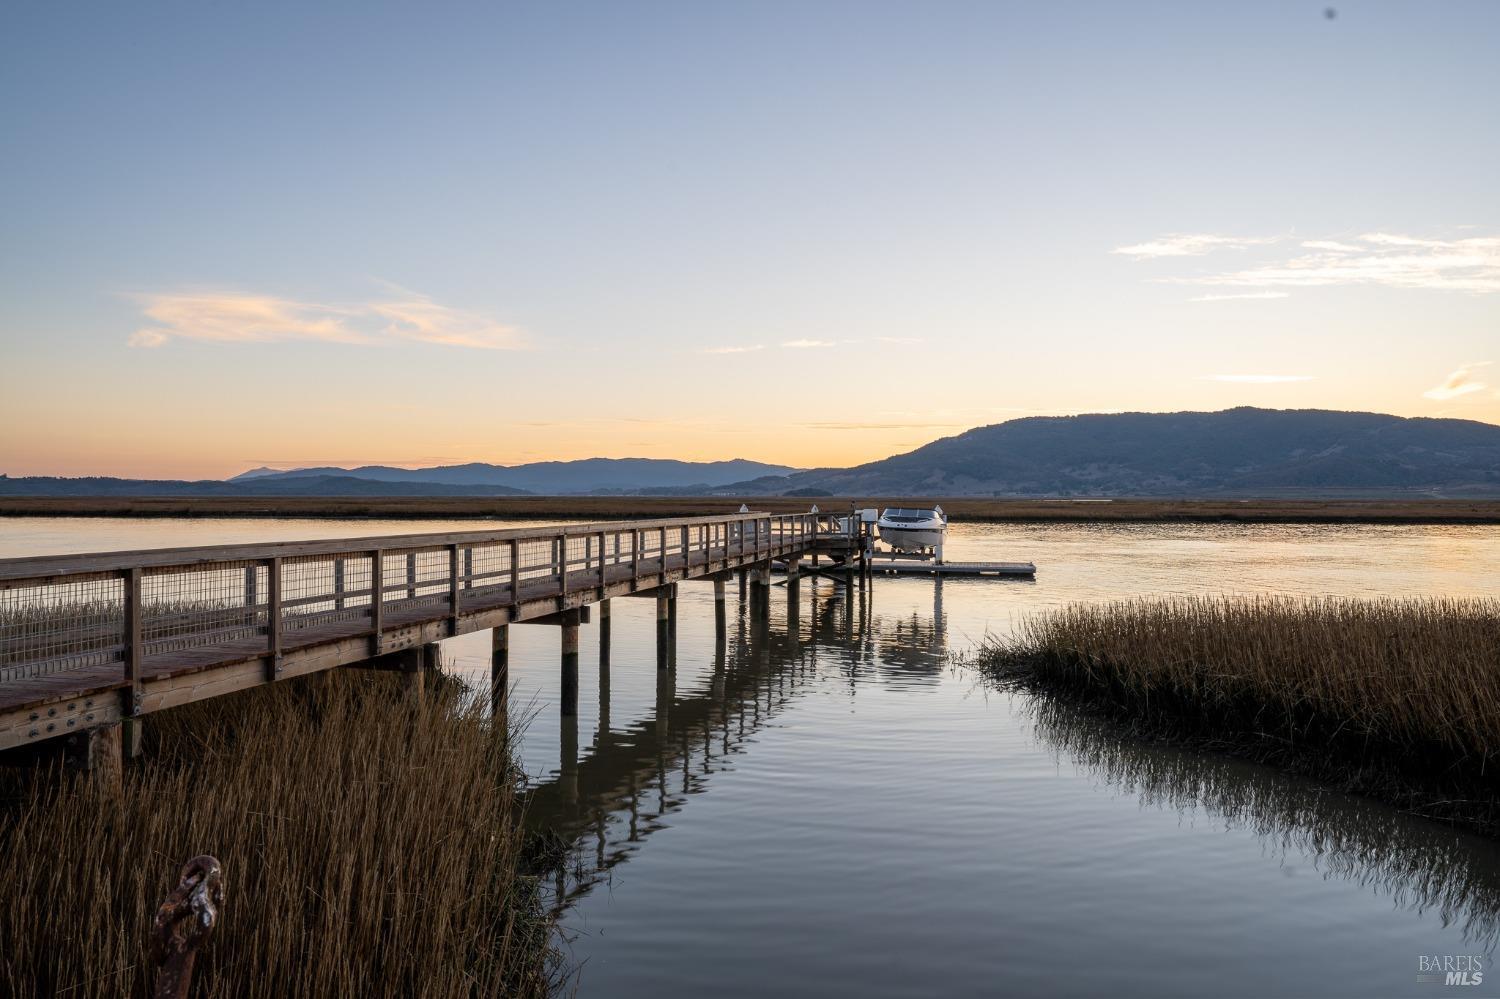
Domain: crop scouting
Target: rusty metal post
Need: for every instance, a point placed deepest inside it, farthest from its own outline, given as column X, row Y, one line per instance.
column 184, row 923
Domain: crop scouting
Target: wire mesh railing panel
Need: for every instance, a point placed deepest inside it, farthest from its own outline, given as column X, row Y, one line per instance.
column 78, row 618
column 488, row 571
column 321, row 590
column 538, row 556
column 578, row 552
column 186, row 608
column 417, row 578
column 61, row 625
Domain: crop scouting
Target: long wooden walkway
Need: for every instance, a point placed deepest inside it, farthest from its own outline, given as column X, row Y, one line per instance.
column 88, row 640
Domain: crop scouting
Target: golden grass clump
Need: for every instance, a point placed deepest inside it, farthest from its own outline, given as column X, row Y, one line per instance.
column 370, row 843
column 1357, row 675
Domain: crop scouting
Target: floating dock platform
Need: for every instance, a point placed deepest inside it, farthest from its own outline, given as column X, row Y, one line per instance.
column 912, row 567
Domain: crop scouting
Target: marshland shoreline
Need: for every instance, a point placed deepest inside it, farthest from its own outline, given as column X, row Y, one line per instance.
column 1385, row 699
column 1246, row 511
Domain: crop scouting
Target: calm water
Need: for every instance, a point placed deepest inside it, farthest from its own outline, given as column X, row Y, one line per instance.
column 833, row 807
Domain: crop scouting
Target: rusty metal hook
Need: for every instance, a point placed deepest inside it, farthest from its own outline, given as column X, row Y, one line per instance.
column 185, row 922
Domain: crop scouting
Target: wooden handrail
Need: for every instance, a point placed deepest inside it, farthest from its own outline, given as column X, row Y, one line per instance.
column 109, row 564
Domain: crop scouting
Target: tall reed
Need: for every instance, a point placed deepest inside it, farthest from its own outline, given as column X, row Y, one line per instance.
column 369, row 840
column 1410, row 684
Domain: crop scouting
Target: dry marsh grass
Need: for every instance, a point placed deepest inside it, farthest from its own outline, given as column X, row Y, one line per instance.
column 1398, row 698
column 370, row 843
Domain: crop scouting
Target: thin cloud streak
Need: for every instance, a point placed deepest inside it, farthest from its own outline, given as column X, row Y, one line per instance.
column 1258, row 379
column 809, row 344
column 1460, row 383
column 236, row 317
column 1182, row 244
column 733, row 350
column 1380, row 259
column 1241, row 296
column 417, row 317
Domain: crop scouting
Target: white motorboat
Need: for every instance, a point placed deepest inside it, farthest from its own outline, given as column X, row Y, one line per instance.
column 913, row 529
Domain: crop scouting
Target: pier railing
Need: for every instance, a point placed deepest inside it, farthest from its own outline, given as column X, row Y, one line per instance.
column 122, row 611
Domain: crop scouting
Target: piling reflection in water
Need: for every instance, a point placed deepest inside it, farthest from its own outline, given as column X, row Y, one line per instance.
column 1419, row 865
column 606, row 801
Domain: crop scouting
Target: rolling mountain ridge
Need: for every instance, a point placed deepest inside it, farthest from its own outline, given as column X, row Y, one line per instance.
column 1232, row 453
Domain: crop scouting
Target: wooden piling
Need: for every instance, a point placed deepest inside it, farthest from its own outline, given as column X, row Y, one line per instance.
column 98, row 752
column 131, row 733
column 721, row 617
column 499, row 673
column 570, row 665
column 672, row 617
column 663, row 628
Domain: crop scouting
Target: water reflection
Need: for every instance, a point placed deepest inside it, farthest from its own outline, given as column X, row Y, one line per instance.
column 630, row 781
column 1418, row 864
column 607, row 800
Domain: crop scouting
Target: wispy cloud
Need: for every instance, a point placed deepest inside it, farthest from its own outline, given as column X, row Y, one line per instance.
column 238, row 317
column 809, row 344
column 1258, row 379
column 1186, row 244
column 1381, row 259
column 417, row 317
column 899, row 339
column 751, row 348
column 1241, row 295
column 1460, row 383
column 228, row 317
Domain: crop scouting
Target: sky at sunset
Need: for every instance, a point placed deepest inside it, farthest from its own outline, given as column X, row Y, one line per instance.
column 814, row 233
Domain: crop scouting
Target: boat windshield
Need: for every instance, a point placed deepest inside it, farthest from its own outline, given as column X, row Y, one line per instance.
column 898, row 515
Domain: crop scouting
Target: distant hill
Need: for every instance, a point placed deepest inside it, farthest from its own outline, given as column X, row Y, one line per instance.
column 1240, row 452
column 1234, row 453
column 312, row 485
column 623, row 475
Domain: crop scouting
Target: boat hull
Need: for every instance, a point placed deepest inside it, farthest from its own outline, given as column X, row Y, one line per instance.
column 911, row 539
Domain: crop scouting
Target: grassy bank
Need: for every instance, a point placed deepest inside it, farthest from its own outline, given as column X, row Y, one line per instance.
column 1259, row 511
column 1398, row 699
column 369, row 842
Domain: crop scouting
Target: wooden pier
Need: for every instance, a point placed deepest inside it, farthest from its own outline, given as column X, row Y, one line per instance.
column 92, row 644
column 88, row 642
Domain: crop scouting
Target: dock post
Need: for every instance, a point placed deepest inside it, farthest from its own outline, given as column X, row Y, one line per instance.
column 98, row 752
column 604, row 671
column 413, row 672
column 499, row 674
column 721, row 635
column 663, row 627
column 130, row 737
column 765, row 590
column 604, row 635
column 793, row 596
column 570, row 666
column 672, row 620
